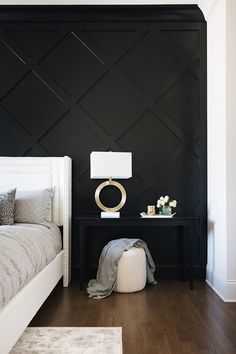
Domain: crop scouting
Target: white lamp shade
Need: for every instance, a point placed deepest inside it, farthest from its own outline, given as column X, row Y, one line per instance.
column 110, row 164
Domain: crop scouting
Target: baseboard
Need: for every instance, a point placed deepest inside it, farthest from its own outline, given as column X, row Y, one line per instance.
column 225, row 289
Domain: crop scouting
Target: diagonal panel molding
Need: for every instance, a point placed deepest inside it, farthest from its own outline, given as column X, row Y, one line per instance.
column 143, row 59
column 147, row 151
column 69, row 71
column 35, row 43
column 15, row 68
column 116, row 98
column 184, row 96
column 34, row 105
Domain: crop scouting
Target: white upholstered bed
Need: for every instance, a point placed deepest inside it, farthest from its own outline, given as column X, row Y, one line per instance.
column 33, row 173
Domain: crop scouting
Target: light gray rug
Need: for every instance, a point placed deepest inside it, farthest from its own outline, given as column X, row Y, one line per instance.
column 70, row 340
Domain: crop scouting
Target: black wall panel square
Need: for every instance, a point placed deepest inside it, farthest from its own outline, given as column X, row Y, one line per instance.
column 113, row 41
column 35, row 42
column 66, row 65
column 34, row 105
column 13, row 70
column 149, row 63
column 112, row 104
column 183, row 94
column 150, row 140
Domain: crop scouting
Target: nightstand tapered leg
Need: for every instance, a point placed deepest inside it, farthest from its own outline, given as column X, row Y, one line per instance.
column 190, row 256
column 184, row 244
column 81, row 256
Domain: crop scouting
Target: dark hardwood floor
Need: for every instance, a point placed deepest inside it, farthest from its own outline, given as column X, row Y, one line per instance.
column 164, row 319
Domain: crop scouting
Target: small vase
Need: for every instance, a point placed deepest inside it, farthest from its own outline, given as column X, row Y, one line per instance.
column 165, row 210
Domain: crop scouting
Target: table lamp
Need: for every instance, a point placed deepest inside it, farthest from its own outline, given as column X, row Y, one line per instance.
column 108, row 164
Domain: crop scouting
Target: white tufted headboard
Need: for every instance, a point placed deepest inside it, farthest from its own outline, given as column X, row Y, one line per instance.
column 29, row 173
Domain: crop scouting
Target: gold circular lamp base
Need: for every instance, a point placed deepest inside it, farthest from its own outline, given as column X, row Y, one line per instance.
column 100, row 188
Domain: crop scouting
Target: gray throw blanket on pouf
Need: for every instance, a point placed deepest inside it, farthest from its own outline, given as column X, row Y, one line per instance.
column 108, row 263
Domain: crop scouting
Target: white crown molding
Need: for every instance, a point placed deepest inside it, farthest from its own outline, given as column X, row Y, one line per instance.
column 97, row 2
column 205, row 5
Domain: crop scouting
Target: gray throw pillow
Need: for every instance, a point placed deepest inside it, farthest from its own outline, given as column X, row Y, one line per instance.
column 7, row 200
column 34, row 207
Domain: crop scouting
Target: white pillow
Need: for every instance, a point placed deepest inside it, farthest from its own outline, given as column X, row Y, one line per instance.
column 34, row 207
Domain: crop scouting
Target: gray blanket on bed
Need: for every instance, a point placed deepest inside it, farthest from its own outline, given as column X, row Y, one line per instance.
column 25, row 249
column 105, row 282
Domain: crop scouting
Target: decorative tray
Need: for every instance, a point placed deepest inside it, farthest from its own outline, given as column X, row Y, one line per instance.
column 144, row 215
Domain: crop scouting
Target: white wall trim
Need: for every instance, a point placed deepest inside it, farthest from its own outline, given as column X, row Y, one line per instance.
column 211, row 8
column 226, row 290
column 205, row 5
column 98, row 2
column 215, row 282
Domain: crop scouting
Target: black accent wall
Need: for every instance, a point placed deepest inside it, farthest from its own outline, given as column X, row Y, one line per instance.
column 78, row 79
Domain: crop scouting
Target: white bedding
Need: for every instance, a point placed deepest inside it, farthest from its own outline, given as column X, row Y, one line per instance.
column 25, row 249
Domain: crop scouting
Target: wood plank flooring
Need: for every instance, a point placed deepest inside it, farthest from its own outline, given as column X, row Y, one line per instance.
column 165, row 319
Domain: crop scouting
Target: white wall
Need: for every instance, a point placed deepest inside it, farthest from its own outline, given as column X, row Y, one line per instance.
column 231, row 142
column 221, row 268
column 216, row 115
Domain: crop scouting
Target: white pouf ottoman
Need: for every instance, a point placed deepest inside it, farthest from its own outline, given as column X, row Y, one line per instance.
column 131, row 272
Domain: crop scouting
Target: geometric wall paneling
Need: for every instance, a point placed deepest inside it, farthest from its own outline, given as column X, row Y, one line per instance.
column 152, row 151
column 75, row 140
column 111, row 104
column 184, row 95
column 114, row 42
column 127, row 78
column 34, row 105
column 148, row 70
column 144, row 197
column 185, row 173
column 36, row 151
column 69, row 71
column 18, row 140
column 36, row 42
column 188, row 41
column 13, row 71
column 9, row 134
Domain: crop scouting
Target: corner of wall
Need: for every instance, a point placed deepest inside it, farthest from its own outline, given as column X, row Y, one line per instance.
column 207, row 7
column 226, row 289
column 217, row 179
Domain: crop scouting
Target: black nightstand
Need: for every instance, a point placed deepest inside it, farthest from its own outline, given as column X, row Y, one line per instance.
column 184, row 222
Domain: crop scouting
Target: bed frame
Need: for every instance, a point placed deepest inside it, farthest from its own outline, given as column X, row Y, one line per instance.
column 28, row 173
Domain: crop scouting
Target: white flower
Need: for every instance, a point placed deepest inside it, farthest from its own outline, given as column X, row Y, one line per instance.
column 166, row 199
column 173, row 203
